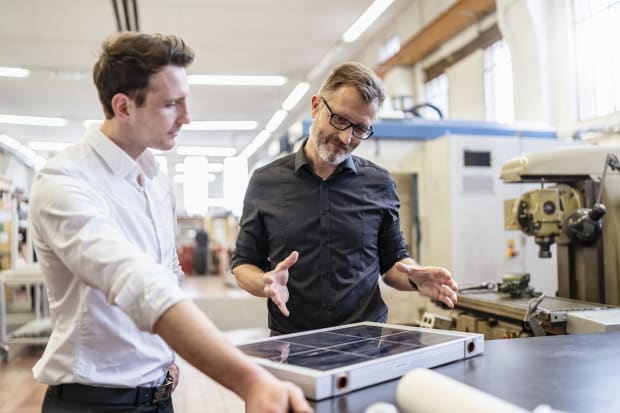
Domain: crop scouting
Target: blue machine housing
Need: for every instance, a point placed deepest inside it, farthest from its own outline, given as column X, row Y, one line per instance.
column 422, row 129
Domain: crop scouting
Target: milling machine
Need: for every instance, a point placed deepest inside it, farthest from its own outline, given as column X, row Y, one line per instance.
column 580, row 213
column 577, row 207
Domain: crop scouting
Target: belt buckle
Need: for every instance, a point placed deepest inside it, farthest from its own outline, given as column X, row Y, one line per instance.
column 163, row 392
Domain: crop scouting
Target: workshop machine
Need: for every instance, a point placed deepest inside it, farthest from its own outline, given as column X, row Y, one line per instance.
column 577, row 207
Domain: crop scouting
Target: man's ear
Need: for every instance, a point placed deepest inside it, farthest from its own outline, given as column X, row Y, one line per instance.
column 120, row 105
column 316, row 101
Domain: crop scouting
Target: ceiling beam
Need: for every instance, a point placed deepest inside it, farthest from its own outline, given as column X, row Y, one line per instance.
column 447, row 25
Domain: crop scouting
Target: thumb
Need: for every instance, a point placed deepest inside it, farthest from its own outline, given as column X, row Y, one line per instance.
column 286, row 263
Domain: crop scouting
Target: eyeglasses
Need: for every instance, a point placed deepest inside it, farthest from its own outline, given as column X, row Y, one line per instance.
column 341, row 123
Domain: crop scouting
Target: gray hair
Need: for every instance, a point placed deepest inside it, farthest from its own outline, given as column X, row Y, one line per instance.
column 355, row 74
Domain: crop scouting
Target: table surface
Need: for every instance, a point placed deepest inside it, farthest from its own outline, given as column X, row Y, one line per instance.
column 575, row 373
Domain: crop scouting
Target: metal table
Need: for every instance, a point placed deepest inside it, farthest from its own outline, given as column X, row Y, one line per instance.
column 576, row 373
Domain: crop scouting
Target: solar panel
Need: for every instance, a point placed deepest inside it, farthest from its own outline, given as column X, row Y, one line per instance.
column 336, row 360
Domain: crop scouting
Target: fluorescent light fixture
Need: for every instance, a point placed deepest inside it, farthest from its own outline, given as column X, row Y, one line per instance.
column 295, row 96
column 206, row 151
column 258, row 141
column 236, row 80
column 326, row 62
column 14, row 72
column 91, row 122
column 221, row 125
column 22, row 152
column 365, row 20
column 10, row 142
column 276, row 120
column 48, row 146
column 33, row 120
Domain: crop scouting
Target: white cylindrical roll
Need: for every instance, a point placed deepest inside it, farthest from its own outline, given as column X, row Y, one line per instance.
column 426, row 391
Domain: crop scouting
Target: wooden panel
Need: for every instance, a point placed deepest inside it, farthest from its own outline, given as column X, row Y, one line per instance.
column 453, row 21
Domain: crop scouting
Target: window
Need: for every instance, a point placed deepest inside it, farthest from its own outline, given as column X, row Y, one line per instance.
column 436, row 93
column 598, row 62
column 498, row 87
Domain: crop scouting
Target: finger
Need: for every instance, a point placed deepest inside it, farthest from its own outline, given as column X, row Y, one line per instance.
column 277, row 300
column 447, row 301
column 453, row 285
column 269, row 292
column 448, row 296
column 283, row 309
column 298, row 402
column 286, row 263
column 267, row 279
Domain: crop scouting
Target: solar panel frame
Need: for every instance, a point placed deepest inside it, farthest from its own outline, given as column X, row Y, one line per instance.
column 389, row 355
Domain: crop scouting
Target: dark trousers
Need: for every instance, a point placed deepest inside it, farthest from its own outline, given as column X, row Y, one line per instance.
column 53, row 402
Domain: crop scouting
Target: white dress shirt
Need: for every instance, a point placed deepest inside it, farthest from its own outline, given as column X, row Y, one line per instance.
column 106, row 246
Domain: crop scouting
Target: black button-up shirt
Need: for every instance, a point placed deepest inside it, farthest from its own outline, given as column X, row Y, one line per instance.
column 346, row 230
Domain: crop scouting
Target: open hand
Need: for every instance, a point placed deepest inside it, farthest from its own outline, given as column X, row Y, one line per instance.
column 275, row 282
column 433, row 282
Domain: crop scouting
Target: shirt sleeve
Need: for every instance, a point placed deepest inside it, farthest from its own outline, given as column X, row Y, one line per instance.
column 176, row 265
column 392, row 245
column 76, row 224
column 251, row 246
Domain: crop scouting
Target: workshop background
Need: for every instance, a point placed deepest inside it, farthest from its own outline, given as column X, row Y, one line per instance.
column 500, row 128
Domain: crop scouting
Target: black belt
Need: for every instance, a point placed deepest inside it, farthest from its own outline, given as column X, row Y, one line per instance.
column 112, row 395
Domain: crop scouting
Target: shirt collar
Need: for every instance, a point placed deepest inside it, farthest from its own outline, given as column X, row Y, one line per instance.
column 119, row 162
column 301, row 160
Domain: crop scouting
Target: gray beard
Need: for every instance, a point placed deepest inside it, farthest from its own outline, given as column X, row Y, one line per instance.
column 323, row 152
column 331, row 158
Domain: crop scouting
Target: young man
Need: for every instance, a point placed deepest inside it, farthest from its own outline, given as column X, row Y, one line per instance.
column 103, row 225
column 320, row 226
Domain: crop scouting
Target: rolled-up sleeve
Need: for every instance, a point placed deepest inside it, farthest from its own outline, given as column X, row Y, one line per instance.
column 251, row 246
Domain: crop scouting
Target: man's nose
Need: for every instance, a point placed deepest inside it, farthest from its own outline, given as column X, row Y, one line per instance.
column 184, row 116
column 346, row 135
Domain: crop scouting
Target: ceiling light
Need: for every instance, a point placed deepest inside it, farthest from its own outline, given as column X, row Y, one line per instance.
column 10, row 142
column 14, row 72
column 276, row 120
column 48, row 146
column 33, row 120
column 91, row 122
column 293, row 99
column 206, row 151
column 235, row 80
column 365, row 20
column 256, row 143
column 221, row 125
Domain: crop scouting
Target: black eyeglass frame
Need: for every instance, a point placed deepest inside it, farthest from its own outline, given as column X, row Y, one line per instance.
column 350, row 124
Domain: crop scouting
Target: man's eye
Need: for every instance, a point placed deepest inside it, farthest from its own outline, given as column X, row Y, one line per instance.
column 341, row 120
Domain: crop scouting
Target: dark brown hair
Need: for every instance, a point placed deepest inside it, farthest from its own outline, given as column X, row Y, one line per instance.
column 128, row 60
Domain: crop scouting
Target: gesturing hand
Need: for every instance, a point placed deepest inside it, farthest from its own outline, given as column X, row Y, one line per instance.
column 434, row 282
column 275, row 282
